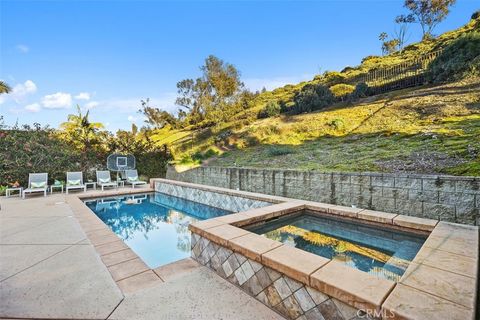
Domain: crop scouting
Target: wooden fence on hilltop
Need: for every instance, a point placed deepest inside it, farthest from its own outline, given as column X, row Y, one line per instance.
column 403, row 75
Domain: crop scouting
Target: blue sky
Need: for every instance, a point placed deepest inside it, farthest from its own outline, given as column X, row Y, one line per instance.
column 107, row 55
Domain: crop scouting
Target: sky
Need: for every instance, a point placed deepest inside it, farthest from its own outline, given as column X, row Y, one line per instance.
column 108, row 55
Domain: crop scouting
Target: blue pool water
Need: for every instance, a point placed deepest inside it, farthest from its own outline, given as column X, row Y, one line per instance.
column 154, row 225
column 385, row 253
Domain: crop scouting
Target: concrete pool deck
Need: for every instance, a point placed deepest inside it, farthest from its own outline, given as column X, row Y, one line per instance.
column 59, row 260
column 49, row 268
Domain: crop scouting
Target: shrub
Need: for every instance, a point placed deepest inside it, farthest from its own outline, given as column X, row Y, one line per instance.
column 341, row 91
column 274, row 151
column 312, row 97
column 336, row 123
column 272, row 109
column 361, row 91
column 459, row 60
column 333, row 77
column 476, row 15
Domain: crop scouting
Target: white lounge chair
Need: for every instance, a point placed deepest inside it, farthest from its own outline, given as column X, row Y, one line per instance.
column 37, row 182
column 75, row 181
column 132, row 178
column 104, row 180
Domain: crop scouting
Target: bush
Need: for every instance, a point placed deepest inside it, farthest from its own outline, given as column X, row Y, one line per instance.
column 312, row 97
column 361, row 91
column 336, row 123
column 28, row 150
column 274, row 151
column 272, row 109
column 331, row 78
column 341, row 91
column 459, row 60
column 476, row 15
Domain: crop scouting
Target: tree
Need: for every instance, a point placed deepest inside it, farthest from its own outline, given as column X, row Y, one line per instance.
column 428, row 13
column 4, row 87
column 388, row 46
column 208, row 98
column 79, row 131
column 156, row 117
column 401, row 29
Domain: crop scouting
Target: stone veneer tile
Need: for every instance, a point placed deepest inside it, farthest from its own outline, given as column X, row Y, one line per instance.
column 140, row 281
column 356, row 288
column 448, row 261
column 282, row 288
column 415, row 223
column 377, row 216
column 295, row 263
column 344, row 211
column 408, row 303
column 222, row 234
column 447, row 285
column 253, row 245
column 304, row 299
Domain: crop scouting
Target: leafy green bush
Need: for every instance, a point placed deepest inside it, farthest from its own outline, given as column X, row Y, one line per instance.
column 459, row 60
column 271, row 109
column 274, row 151
column 341, row 91
column 361, row 91
column 476, row 15
column 27, row 150
column 336, row 123
column 312, row 97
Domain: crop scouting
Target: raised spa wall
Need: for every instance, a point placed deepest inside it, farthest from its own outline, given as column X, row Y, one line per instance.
column 440, row 283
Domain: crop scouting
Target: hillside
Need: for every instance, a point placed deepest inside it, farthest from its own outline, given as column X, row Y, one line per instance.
column 427, row 129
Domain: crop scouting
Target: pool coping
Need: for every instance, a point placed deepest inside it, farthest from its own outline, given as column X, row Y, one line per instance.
column 131, row 273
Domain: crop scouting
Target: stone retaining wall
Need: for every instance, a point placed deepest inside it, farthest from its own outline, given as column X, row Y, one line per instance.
column 448, row 198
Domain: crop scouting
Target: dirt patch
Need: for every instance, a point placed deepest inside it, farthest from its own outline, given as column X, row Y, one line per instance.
column 421, row 162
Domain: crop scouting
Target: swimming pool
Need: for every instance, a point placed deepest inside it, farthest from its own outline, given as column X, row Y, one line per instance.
column 154, row 225
column 383, row 252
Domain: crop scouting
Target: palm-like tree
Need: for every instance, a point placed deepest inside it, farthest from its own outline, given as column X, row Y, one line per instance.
column 79, row 130
column 4, row 87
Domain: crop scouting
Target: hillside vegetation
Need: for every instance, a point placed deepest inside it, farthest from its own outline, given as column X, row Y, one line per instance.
column 429, row 129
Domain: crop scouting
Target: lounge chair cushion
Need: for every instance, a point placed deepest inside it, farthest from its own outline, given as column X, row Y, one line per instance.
column 35, row 185
column 133, row 179
column 73, row 182
column 107, row 180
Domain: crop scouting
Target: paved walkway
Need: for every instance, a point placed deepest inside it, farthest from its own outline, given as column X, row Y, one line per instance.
column 49, row 269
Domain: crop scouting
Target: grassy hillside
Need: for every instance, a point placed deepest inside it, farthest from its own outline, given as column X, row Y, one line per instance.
column 430, row 129
column 425, row 130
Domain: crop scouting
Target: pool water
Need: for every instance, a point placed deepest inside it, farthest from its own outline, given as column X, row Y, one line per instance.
column 154, row 225
column 385, row 253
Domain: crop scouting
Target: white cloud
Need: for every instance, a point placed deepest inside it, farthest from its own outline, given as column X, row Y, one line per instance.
column 57, row 100
column 22, row 48
column 34, row 107
column 19, row 92
column 91, row 105
column 83, row 96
